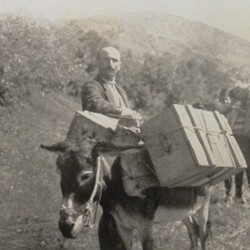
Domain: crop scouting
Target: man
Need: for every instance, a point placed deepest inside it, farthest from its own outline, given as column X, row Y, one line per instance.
column 103, row 95
column 238, row 105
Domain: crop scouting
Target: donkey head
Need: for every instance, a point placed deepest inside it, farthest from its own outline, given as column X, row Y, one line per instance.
column 75, row 166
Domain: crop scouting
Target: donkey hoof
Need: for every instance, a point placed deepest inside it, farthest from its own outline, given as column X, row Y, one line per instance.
column 228, row 199
column 241, row 201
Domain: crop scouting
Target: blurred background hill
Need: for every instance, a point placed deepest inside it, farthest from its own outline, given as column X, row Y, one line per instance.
column 166, row 59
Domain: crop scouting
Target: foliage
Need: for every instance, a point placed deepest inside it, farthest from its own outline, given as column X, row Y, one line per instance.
column 45, row 55
column 62, row 56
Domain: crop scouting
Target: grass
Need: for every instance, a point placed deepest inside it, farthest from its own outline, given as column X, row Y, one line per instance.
column 30, row 192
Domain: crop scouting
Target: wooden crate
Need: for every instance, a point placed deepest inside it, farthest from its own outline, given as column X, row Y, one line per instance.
column 85, row 122
column 191, row 147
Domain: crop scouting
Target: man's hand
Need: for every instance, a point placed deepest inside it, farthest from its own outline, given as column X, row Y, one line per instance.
column 129, row 112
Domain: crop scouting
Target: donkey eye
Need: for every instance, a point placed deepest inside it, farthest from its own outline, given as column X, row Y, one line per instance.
column 84, row 176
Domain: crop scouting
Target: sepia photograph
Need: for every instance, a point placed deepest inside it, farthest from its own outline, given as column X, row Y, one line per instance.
column 124, row 124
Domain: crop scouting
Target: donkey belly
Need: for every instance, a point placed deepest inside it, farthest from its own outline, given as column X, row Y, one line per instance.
column 169, row 213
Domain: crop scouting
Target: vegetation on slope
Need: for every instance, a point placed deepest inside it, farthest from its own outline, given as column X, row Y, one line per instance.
column 165, row 59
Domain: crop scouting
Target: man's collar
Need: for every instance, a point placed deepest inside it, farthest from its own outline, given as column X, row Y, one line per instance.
column 110, row 83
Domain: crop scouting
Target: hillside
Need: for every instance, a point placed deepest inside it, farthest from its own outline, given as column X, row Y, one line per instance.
column 166, row 59
column 30, row 186
column 159, row 33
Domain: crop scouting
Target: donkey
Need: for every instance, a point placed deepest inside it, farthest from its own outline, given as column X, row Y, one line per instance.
column 87, row 180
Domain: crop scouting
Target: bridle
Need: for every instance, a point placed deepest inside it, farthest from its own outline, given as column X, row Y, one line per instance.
column 89, row 214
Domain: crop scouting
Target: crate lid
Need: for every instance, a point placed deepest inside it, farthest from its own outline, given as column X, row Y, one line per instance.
column 100, row 119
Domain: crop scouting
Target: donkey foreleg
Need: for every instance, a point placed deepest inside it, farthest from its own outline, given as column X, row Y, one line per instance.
column 193, row 231
column 203, row 220
column 110, row 237
column 146, row 236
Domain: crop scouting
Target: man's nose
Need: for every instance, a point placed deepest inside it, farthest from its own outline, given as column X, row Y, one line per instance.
column 111, row 63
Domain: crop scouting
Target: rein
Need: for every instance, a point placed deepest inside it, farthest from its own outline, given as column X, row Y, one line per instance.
column 90, row 212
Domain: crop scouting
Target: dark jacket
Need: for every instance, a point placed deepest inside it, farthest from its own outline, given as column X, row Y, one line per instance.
column 97, row 98
column 239, row 117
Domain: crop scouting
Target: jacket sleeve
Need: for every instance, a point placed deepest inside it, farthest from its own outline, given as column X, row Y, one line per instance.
column 93, row 99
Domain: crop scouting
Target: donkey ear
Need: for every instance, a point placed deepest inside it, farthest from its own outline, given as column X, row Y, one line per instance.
column 57, row 147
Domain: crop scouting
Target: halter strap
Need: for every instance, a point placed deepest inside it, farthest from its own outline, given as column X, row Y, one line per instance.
column 88, row 219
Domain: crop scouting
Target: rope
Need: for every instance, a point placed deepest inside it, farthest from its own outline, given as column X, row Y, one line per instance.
column 134, row 130
column 88, row 220
column 191, row 128
column 99, row 198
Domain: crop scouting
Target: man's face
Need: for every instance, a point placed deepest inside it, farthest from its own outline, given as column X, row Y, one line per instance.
column 225, row 99
column 109, row 63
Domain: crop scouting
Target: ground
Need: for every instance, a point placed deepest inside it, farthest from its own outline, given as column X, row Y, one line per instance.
column 30, row 188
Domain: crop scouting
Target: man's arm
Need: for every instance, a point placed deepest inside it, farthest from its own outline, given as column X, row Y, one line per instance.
column 93, row 99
